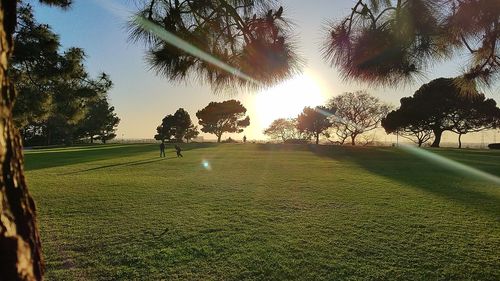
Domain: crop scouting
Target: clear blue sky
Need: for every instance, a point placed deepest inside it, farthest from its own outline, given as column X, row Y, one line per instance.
column 142, row 99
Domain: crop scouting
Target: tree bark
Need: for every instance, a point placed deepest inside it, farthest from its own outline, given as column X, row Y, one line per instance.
column 20, row 248
column 353, row 140
column 218, row 138
column 317, row 138
column 459, row 141
column 437, row 137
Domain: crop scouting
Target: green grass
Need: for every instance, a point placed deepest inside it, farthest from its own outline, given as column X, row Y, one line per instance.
column 119, row 212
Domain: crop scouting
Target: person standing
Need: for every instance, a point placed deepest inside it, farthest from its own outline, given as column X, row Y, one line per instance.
column 162, row 149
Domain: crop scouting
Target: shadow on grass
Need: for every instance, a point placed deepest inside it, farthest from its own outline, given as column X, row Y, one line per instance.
column 400, row 166
column 50, row 158
column 130, row 163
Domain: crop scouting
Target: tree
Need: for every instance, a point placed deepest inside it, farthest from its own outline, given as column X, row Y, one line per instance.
column 391, row 42
column 313, row 121
column 408, row 122
column 100, row 121
column 356, row 113
column 166, row 130
column 174, row 125
column 191, row 133
column 182, row 123
column 53, row 88
column 439, row 106
column 284, row 129
column 474, row 114
column 20, row 250
column 251, row 37
column 220, row 117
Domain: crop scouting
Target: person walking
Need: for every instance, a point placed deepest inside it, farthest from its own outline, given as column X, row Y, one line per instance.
column 178, row 150
column 162, row 149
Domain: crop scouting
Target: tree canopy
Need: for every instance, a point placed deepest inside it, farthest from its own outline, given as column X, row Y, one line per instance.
column 313, row 121
column 251, row 36
column 220, row 117
column 284, row 130
column 356, row 113
column 390, row 42
column 177, row 126
column 439, row 106
column 54, row 89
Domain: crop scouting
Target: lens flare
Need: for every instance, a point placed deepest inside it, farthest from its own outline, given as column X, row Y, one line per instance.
column 189, row 48
column 206, row 165
column 450, row 164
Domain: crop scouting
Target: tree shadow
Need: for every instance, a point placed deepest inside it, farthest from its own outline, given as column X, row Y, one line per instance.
column 50, row 158
column 400, row 166
column 130, row 163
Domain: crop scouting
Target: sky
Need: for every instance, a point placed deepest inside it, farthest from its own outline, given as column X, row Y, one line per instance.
column 142, row 98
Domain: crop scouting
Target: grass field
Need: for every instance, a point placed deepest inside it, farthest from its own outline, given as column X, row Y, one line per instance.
column 262, row 212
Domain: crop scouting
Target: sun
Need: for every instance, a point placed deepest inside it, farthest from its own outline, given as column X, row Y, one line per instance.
column 289, row 98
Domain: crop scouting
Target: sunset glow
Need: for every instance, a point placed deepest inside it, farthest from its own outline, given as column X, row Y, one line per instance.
column 287, row 99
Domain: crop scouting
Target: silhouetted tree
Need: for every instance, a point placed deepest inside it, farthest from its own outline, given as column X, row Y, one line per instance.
column 440, row 106
column 220, row 117
column 191, row 133
column 284, row 129
column 408, row 122
column 182, row 123
column 356, row 113
column 175, row 125
column 20, row 250
column 390, row 42
column 251, row 36
column 474, row 114
column 166, row 130
column 313, row 121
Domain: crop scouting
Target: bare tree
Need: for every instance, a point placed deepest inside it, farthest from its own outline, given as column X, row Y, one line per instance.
column 356, row 113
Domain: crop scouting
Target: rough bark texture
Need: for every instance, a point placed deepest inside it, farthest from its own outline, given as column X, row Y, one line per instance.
column 20, row 250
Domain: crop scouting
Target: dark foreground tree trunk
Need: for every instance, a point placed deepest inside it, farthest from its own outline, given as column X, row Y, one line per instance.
column 459, row 141
column 20, row 250
column 218, row 138
column 437, row 138
column 317, row 138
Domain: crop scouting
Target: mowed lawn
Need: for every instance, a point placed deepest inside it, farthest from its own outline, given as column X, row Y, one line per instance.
column 264, row 212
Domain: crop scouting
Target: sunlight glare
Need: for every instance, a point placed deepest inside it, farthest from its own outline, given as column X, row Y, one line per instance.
column 289, row 98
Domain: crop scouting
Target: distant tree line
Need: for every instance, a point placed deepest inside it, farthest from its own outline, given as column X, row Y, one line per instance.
column 216, row 118
column 345, row 116
column 58, row 102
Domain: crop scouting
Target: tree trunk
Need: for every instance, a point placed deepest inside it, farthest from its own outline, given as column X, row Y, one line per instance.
column 459, row 141
column 218, row 138
column 420, row 142
column 20, row 249
column 91, row 139
column 317, row 138
column 437, row 137
column 353, row 140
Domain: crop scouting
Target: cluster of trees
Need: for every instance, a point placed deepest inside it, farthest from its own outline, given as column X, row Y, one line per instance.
column 177, row 127
column 57, row 101
column 440, row 106
column 216, row 118
column 348, row 115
